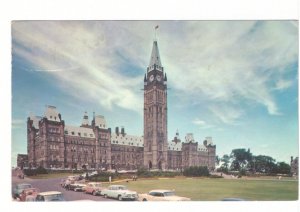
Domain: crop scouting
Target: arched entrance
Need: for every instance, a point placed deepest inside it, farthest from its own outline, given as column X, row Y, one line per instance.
column 159, row 165
column 150, row 165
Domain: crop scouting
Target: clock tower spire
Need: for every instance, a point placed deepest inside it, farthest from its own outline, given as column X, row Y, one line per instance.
column 155, row 113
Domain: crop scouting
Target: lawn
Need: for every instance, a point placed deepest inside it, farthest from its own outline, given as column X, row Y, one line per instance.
column 205, row 189
column 51, row 175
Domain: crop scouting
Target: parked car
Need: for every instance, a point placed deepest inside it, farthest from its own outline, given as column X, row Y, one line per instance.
column 28, row 192
column 17, row 190
column 50, row 196
column 161, row 195
column 72, row 178
column 119, row 192
column 77, row 186
column 93, row 188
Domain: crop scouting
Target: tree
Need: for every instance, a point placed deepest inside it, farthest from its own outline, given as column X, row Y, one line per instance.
column 283, row 168
column 217, row 160
column 240, row 159
column 265, row 164
column 226, row 160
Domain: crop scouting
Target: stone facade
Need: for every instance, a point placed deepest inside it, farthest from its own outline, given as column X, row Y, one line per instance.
column 295, row 166
column 52, row 143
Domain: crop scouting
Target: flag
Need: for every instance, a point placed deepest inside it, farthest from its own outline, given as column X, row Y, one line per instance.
column 156, row 27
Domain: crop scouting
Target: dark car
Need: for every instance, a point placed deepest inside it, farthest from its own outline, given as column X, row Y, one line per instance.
column 17, row 190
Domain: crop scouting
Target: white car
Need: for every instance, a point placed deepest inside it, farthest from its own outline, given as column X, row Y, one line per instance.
column 49, row 196
column 77, row 186
column 119, row 192
column 161, row 195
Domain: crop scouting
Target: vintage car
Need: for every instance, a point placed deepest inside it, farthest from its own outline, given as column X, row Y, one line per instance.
column 17, row 190
column 119, row 192
column 77, row 186
column 49, row 196
column 32, row 192
column 161, row 195
column 93, row 188
column 72, row 178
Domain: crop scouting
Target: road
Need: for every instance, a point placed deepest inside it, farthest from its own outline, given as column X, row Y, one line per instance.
column 54, row 185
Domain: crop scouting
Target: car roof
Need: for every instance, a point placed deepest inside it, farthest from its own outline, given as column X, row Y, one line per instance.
column 160, row 190
column 24, row 184
column 30, row 189
column 49, row 193
column 94, row 183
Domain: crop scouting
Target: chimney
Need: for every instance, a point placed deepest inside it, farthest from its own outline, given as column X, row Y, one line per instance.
column 123, row 131
column 117, row 130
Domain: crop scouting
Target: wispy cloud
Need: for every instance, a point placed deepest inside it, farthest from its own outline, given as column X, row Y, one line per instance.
column 53, row 70
column 282, row 84
column 226, row 115
column 202, row 124
column 222, row 62
column 18, row 123
column 232, row 62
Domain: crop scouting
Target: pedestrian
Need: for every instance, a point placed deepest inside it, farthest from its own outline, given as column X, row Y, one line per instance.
column 109, row 179
column 67, row 184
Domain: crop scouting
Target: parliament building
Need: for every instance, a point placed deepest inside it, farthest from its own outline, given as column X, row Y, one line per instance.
column 51, row 143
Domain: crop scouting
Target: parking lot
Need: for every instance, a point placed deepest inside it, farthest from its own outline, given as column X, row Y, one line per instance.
column 54, row 185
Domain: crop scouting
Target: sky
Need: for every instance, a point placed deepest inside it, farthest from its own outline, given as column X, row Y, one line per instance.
column 236, row 81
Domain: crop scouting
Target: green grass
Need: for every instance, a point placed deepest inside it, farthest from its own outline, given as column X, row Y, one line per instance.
column 50, row 175
column 216, row 189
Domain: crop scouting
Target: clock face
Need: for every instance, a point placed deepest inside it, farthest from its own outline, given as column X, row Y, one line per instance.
column 158, row 78
column 151, row 78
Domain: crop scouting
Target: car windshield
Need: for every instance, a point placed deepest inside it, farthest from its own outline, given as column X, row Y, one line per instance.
column 54, row 197
column 166, row 194
column 24, row 186
column 98, row 185
column 122, row 188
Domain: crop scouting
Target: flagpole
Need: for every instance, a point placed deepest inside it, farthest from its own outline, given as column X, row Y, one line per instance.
column 155, row 28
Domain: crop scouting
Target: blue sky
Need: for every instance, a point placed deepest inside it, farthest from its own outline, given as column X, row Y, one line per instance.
column 236, row 81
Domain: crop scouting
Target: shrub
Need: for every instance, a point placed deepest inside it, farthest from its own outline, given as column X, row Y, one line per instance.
column 196, row 171
column 31, row 172
column 103, row 177
column 143, row 172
